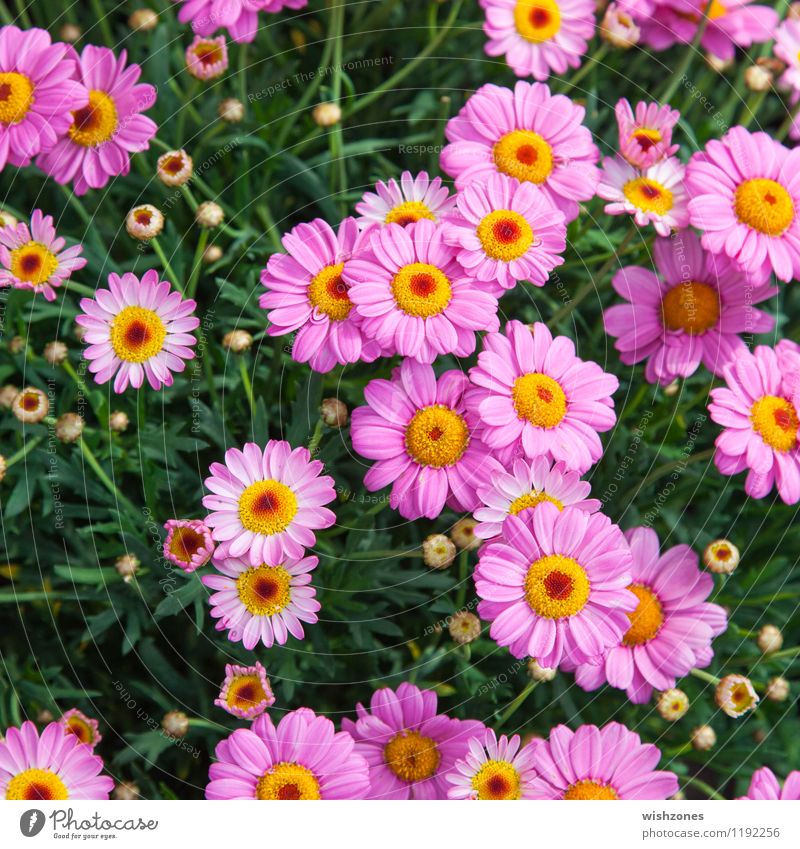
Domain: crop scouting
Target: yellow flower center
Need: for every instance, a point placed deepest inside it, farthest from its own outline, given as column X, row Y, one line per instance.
column 645, row 138
column 267, row 507
column 80, row 729
column 764, row 205
column 36, row 785
column 33, row 263
column 646, row 620
column 245, row 692
column 539, row 399
column 496, row 780
column 411, row 756
column 590, row 791
column 137, row 334
column 208, row 52
column 436, row 436
column 556, row 586
column 265, row 590
column 409, row 212
column 717, row 10
column 421, row 289
column 173, row 164
column 532, row 499
column 740, row 697
column 328, row 293
column 31, row 401
column 505, row 235
column 775, row 420
column 525, row 155
column 185, row 543
column 16, row 97
column 96, row 123
column 691, row 307
column 537, row 20
column 721, row 551
column 648, row 195
column 288, row 781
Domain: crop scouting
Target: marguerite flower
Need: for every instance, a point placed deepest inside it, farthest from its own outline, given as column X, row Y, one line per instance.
column 526, row 485
column 189, row 544
column 267, row 502
column 263, row 603
column 103, row 134
column 764, row 785
column 692, row 313
column 137, row 329
column 787, row 49
column 599, row 763
column 406, row 201
column 207, row 58
column 417, row 429
column 735, row 696
column 51, row 766
column 654, row 196
column 246, row 691
column 646, row 137
column 303, row 757
column 671, row 629
column 493, row 769
column 409, row 747
column 760, row 425
column 538, row 37
column 35, row 258
column 553, row 585
column 744, row 194
column 84, row 728
column 506, row 231
column 527, row 133
column 534, row 395
column 413, row 297
column 239, row 17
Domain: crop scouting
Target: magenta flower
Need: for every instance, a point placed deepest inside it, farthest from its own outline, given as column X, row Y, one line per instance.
column 423, row 439
column 207, row 58
column 405, row 202
column 529, row 134
column 535, row 396
column 692, row 313
column 307, row 295
column 787, row 49
column 239, row 17
column 303, row 757
column 38, row 91
column 409, row 747
column 599, row 763
column 671, row 629
column 103, row 134
column 85, row 729
column 553, row 585
column 764, row 786
column 246, row 691
column 413, row 296
column 760, row 425
column 189, row 544
column 506, row 231
column 35, row 258
column 137, row 329
column 493, row 769
column 645, row 138
column 51, row 766
column 267, row 502
column 744, row 195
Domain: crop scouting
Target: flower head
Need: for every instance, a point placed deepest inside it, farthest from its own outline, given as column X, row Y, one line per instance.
column 787, row 49
column 188, row 544
column 405, row 201
column 764, row 785
column 84, row 728
column 493, row 769
column 174, row 168
column 721, row 556
column 646, row 136
column 619, row 28
column 144, row 222
column 246, row 691
column 207, row 58
column 735, row 695
column 30, row 405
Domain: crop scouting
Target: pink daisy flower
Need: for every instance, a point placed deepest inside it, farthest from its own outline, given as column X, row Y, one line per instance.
column 189, row 544
column 103, row 134
column 303, row 757
column 405, row 202
column 268, row 502
column 207, row 58
column 414, row 297
column 35, row 258
column 692, row 313
column 599, row 763
column 493, row 769
column 506, row 231
column 246, row 691
column 760, row 425
column 787, row 49
column 654, row 196
column 529, row 134
column 646, row 137
column 765, row 786
column 85, row 729
column 525, row 486
column 538, row 37
column 307, row 295
column 671, row 629
column 37, row 93
column 410, row 748
column 137, row 329
column 744, row 195
column 423, row 439
column 262, row 603
column 50, row 766
column 534, row 395
column 554, row 585
column 788, row 354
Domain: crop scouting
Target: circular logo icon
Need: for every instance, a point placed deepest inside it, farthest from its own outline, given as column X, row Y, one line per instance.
column 31, row 822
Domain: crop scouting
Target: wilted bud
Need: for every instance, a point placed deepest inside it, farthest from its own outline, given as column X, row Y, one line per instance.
column 672, row 704
column 540, row 673
column 704, row 738
column 735, row 695
column 212, row 253
column 777, row 689
column 438, row 551
column 770, row 639
column 237, row 341
column 55, row 353
column 174, row 168
column 209, row 215
column 118, row 421
column 69, row 427
column 142, row 20
column 70, row 33
column 127, row 566
column 175, row 724
column 463, row 534
column 619, row 29
column 721, row 556
column 126, row 791
column 334, row 412
column 144, row 222
column 327, row 114
column 464, row 627
column 758, row 78
column 30, row 405
column 7, row 395
column 231, row 110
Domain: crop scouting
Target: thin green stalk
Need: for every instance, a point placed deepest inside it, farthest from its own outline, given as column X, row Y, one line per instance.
column 516, row 703
column 707, row 789
column 705, row 676
column 30, row 444
column 197, row 264
column 591, row 62
column 686, row 60
column 105, row 26
column 316, row 438
column 165, row 264
column 791, row 652
column 22, row 11
column 463, row 572
column 668, row 467
column 750, row 109
column 339, row 169
column 248, row 386
column 76, row 204
column 187, row 102
column 79, row 288
column 105, row 479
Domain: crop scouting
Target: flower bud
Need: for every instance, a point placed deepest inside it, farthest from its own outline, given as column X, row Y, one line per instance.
column 540, row 673
column 770, row 639
column 142, row 20
column 30, row 405
column 127, row 566
column 438, row 551
column 70, row 33
column 704, row 738
column 213, row 253
column 118, row 421
column 175, row 724
column 717, row 64
column 672, row 389
column 144, row 222
column 209, row 215
column 7, row 219
column 55, row 353
column 463, row 534
column 207, row 58
column 334, row 412
column 237, row 341
column 327, row 114
column 69, row 427
column 174, row 168
column 464, row 627
column 45, row 717
column 7, row 395
column 16, row 345
column 721, row 557
column 735, row 695
column 231, row 110
column 126, row 791
column 672, row 704
column 3, row 468
column 619, row 29
column 758, row 78
column 777, row 689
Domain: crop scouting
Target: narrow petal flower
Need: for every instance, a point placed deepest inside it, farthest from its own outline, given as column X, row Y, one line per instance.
column 645, row 137
column 84, row 728
column 207, row 58
column 189, row 544
column 405, row 201
column 238, row 17
column 493, row 769
column 246, row 691
column 764, row 786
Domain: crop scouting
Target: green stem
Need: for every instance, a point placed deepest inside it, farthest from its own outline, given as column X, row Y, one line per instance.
column 791, row 652
column 705, row 676
column 30, row 444
column 248, row 386
column 197, row 264
column 105, row 479
column 463, row 571
column 668, row 467
column 592, row 62
column 79, row 288
column 316, row 438
column 686, row 60
column 516, row 703
column 165, row 264
column 710, row 792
